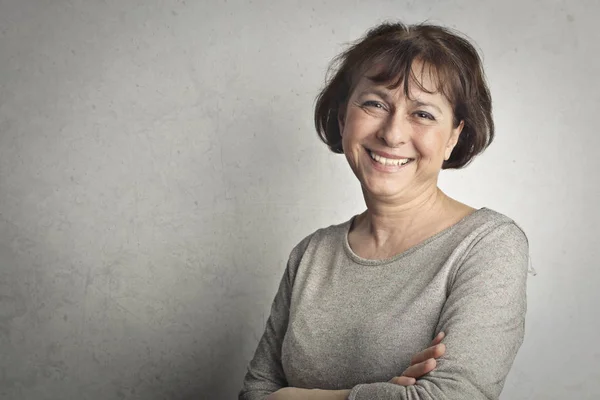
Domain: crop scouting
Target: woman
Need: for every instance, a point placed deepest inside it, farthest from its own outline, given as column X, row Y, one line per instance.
column 360, row 302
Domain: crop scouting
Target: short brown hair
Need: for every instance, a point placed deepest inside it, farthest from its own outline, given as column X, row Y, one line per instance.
column 453, row 60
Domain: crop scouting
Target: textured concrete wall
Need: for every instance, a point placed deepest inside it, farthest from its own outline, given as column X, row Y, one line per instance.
column 158, row 163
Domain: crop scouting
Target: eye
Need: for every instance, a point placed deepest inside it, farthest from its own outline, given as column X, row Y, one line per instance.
column 374, row 104
column 426, row 115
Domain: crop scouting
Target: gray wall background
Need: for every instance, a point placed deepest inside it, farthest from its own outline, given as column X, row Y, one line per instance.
column 158, row 162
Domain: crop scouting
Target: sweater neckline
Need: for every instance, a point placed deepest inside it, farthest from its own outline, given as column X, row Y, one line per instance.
column 365, row 261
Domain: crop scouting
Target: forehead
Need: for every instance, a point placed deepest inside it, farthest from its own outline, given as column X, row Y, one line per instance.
column 423, row 80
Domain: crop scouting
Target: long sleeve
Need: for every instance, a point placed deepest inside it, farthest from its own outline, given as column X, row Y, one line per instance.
column 265, row 373
column 484, row 321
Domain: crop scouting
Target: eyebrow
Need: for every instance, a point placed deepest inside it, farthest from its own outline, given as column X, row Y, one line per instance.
column 420, row 103
column 386, row 95
column 379, row 92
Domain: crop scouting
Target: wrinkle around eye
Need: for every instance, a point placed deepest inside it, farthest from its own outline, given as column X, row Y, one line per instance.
column 373, row 106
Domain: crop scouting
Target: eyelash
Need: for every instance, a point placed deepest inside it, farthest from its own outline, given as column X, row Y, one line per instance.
column 426, row 115
column 376, row 104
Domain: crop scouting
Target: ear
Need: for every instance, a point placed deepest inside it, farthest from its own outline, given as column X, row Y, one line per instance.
column 453, row 139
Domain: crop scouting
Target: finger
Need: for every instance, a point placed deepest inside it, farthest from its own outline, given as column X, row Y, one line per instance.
column 431, row 352
column 420, row 369
column 438, row 339
column 403, row 380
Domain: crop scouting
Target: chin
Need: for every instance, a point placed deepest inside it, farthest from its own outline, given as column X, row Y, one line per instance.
column 384, row 190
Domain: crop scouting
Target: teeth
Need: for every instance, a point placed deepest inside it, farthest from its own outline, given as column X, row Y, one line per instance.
column 388, row 161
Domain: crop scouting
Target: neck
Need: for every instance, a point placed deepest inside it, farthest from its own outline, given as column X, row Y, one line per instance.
column 384, row 219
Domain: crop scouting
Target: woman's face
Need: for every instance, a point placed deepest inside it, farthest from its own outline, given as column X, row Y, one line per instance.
column 396, row 145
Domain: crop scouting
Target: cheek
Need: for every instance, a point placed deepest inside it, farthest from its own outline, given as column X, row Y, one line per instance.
column 358, row 125
column 430, row 143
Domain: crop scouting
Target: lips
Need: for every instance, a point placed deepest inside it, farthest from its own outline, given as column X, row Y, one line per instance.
column 389, row 160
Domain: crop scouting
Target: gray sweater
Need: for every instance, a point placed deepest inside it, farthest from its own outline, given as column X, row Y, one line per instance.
column 339, row 321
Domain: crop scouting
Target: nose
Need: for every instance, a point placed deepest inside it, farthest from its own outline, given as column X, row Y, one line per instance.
column 395, row 131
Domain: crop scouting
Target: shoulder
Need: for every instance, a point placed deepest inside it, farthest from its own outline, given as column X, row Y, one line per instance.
column 330, row 237
column 332, row 234
column 486, row 224
column 493, row 241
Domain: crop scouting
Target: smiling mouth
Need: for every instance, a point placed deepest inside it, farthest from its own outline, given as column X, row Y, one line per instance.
column 398, row 162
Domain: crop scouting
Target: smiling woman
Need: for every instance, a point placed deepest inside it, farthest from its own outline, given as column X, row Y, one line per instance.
column 420, row 296
column 385, row 128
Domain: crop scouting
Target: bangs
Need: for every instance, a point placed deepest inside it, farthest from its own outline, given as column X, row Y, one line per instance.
column 407, row 64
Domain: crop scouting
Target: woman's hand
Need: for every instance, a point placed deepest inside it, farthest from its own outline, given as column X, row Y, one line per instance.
column 422, row 363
